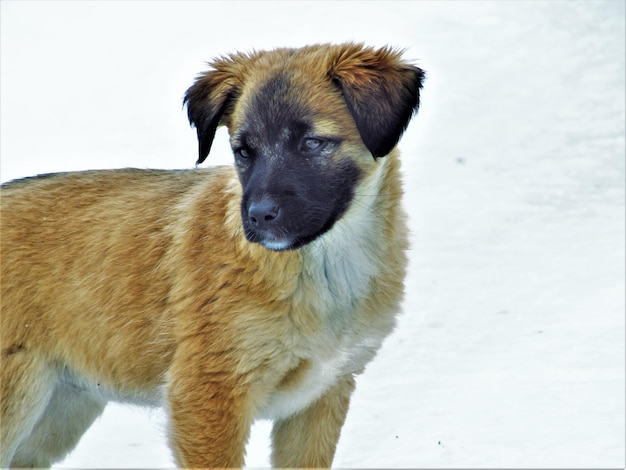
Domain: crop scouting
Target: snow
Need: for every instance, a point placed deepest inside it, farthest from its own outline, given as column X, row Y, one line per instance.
column 510, row 348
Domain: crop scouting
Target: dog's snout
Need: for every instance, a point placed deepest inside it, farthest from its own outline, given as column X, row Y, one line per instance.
column 263, row 213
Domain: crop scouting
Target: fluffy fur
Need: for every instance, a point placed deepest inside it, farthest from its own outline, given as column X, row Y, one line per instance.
column 161, row 287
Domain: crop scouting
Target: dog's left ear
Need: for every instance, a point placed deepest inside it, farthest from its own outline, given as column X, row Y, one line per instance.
column 210, row 100
column 382, row 93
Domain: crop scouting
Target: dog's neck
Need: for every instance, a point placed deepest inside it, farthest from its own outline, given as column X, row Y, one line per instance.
column 342, row 262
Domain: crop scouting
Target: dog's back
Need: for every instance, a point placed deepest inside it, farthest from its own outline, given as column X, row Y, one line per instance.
column 83, row 249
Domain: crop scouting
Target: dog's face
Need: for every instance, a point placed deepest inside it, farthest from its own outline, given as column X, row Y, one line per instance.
column 306, row 127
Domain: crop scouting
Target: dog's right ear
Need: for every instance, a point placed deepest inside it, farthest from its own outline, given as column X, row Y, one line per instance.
column 210, row 100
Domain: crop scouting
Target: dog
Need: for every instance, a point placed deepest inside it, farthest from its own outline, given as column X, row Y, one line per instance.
column 224, row 294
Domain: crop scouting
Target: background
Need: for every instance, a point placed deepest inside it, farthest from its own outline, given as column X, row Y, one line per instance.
column 510, row 348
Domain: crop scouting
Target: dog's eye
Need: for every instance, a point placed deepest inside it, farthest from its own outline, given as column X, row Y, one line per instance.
column 312, row 145
column 242, row 153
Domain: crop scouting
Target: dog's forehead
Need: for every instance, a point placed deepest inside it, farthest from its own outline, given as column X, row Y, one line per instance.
column 279, row 101
column 284, row 100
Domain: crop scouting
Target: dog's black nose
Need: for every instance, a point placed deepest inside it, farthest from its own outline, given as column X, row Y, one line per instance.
column 263, row 213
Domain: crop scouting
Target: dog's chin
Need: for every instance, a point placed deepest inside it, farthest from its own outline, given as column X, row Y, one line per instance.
column 269, row 241
column 284, row 243
column 277, row 245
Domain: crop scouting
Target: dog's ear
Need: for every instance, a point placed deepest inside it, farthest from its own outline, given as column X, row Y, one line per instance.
column 382, row 93
column 210, row 100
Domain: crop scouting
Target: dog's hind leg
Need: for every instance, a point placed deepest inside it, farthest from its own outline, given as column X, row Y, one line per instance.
column 70, row 412
column 26, row 387
column 309, row 438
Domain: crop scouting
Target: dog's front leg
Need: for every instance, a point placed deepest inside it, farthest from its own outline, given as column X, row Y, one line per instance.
column 309, row 438
column 210, row 417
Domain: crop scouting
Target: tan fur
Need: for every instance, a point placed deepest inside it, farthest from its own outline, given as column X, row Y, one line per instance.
column 140, row 286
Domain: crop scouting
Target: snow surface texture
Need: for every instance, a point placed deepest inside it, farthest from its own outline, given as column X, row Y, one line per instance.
column 510, row 348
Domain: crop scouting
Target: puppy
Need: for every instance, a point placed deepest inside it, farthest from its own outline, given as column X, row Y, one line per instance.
column 224, row 294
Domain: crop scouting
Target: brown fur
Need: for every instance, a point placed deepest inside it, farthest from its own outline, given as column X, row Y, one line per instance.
column 140, row 285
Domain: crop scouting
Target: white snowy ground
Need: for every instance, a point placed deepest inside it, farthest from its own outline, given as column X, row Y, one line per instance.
column 510, row 348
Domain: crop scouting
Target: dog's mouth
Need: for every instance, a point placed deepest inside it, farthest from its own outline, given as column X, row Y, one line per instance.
column 281, row 240
column 274, row 242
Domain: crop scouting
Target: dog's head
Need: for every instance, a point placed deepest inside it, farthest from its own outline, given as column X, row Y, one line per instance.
column 306, row 126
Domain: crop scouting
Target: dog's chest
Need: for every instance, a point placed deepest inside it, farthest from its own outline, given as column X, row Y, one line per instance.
column 315, row 374
column 335, row 288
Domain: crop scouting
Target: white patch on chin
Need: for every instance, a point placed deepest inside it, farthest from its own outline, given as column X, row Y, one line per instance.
column 276, row 245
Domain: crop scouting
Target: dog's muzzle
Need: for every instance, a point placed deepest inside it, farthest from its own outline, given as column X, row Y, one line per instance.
column 263, row 225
